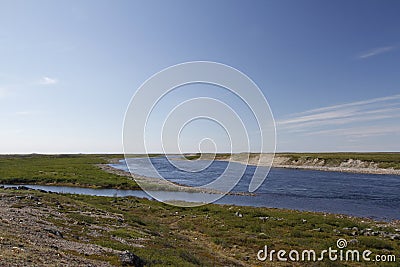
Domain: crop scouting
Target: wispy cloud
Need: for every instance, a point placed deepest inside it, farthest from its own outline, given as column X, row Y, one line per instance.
column 23, row 113
column 375, row 51
column 326, row 120
column 48, row 81
column 365, row 131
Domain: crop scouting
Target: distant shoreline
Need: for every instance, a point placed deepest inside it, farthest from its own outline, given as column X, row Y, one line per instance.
column 353, row 162
column 341, row 169
column 307, row 163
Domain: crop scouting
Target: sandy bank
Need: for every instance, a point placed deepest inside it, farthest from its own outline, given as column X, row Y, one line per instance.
column 350, row 165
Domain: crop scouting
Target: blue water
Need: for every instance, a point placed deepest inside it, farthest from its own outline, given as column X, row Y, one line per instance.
column 365, row 195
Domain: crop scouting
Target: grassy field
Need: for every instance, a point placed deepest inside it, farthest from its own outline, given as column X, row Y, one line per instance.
column 82, row 170
column 162, row 235
column 211, row 235
column 71, row 170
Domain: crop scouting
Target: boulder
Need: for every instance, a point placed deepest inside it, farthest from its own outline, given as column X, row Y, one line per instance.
column 129, row 259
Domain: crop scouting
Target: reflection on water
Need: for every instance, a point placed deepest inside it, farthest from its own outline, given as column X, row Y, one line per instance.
column 165, row 195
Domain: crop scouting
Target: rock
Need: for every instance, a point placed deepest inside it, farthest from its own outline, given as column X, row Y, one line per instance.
column 263, row 218
column 54, row 232
column 395, row 236
column 34, row 198
column 303, row 220
column 353, row 242
column 336, row 231
column 23, row 188
column 262, row 235
column 239, row 214
column 129, row 259
column 317, row 229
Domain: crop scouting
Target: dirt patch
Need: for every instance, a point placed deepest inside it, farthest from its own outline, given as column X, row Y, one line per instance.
column 27, row 238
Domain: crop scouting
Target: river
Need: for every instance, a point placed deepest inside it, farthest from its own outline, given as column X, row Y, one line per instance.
column 362, row 195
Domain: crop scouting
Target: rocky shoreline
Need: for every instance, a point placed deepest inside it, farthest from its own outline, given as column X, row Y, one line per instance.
column 350, row 165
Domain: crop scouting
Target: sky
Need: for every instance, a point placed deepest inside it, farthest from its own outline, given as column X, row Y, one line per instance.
column 329, row 69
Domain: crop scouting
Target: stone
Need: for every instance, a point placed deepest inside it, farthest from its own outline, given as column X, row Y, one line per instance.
column 353, row 242
column 395, row 236
column 239, row 214
column 127, row 258
column 54, row 232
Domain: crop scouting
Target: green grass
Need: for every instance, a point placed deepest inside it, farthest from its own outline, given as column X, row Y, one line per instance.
column 210, row 235
column 72, row 170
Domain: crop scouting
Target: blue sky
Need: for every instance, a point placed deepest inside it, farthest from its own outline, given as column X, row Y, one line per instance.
column 329, row 69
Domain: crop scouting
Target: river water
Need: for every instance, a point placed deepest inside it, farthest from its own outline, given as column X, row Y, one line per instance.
column 363, row 195
column 366, row 195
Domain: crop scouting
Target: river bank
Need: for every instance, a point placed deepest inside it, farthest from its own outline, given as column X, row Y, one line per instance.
column 319, row 161
column 156, row 184
column 49, row 229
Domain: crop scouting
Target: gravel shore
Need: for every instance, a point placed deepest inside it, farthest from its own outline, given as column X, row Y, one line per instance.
column 351, row 165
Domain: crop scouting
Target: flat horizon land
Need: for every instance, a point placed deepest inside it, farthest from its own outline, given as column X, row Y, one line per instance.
column 85, row 169
column 38, row 227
